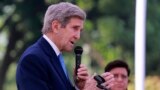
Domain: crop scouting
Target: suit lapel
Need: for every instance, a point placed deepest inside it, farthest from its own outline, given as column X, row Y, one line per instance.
column 54, row 60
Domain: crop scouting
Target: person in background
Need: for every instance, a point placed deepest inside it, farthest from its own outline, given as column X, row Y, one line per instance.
column 121, row 72
column 41, row 66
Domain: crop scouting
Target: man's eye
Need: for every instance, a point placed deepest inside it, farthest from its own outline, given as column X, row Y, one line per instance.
column 76, row 28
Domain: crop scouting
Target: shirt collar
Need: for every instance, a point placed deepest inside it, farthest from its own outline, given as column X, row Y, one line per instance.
column 54, row 47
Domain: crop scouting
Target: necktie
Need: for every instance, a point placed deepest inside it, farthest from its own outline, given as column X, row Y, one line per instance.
column 63, row 64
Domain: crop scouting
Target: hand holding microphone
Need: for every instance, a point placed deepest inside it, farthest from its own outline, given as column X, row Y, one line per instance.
column 81, row 73
column 78, row 52
column 82, row 79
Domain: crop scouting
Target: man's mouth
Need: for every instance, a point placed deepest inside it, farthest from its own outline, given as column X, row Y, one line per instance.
column 72, row 42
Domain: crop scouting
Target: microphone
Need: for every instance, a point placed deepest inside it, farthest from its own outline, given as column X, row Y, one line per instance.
column 78, row 52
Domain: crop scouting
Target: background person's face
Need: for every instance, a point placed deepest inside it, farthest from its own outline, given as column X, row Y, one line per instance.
column 121, row 78
column 70, row 34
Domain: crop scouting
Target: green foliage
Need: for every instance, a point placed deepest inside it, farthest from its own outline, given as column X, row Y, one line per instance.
column 152, row 41
column 86, row 5
column 112, row 34
column 10, row 83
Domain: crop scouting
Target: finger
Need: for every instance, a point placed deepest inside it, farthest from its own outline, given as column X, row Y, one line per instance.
column 109, row 83
column 108, row 76
column 82, row 73
column 82, row 70
column 83, row 77
column 82, row 67
column 109, row 86
column 105, row 74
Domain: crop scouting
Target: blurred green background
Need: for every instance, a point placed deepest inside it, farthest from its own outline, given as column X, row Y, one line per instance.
column 108, row 35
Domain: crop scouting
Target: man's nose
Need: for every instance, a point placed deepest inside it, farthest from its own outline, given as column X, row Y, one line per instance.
column 77, row 35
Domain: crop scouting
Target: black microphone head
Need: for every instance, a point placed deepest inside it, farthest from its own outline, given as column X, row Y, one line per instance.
column 78, row 50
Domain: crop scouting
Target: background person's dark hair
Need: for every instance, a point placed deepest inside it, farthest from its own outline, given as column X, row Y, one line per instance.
column 115, row 64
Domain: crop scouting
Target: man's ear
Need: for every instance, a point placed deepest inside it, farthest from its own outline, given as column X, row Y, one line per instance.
column 55, row 26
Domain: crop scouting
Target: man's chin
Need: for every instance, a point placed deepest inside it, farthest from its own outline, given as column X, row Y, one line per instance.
column 68, row 49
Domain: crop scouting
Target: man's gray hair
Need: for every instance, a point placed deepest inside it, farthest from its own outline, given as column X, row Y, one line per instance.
column 61, row 12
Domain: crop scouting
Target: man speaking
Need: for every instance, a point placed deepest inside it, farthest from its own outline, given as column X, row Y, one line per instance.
column 41, row 66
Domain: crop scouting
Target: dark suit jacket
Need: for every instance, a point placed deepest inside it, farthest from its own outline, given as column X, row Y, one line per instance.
column 39, row 69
